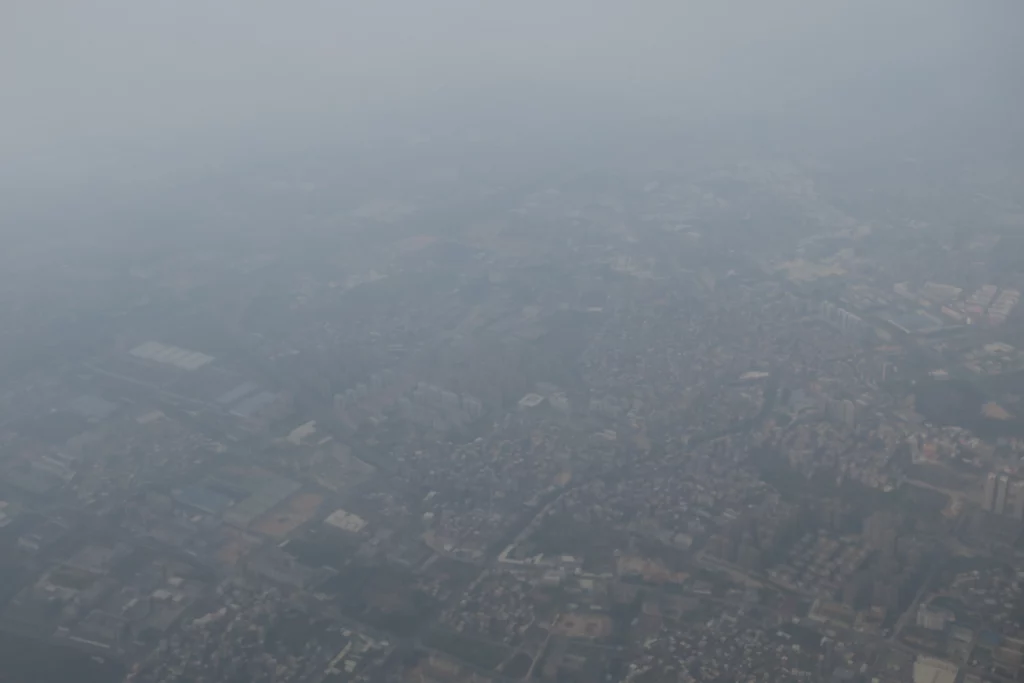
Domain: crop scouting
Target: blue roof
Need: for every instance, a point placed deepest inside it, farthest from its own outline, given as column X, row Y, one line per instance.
column 202, row 499
column 842, row 674
column 237, row 393
column 92, row 407
column 254, row 404
column 916, row 322
column 989, row 638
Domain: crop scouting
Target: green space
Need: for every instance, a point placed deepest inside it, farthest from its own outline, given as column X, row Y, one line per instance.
column 518, row 666
column 479, row 653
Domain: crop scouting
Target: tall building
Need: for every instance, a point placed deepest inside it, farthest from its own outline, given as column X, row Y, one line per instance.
column 1001, row 487
column 842, row 411
column 888, row 370
column 748, row 556
column 849, row 413
column 886, row 593
column 933, row 618
column 881, row 533
column 988, row 500
column 1018, row 500
column 854, row 589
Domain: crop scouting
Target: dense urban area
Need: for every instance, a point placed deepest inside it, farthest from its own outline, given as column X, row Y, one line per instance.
column 663, row 417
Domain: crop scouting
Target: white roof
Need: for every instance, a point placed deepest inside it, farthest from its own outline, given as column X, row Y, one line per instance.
column 531, row 400
column 346, row 521
column 932, row 670
column 171, row 355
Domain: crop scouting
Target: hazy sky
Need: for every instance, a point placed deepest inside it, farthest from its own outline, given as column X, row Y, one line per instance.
column 89, row 81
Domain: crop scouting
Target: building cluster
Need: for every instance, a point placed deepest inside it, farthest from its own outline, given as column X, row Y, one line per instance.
column 1003, row 496
column 501, row 607
column 601, row 435
column 261, row 635
column 968, row 621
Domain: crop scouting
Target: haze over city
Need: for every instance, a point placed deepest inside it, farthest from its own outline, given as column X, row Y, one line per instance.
column 459, row 341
